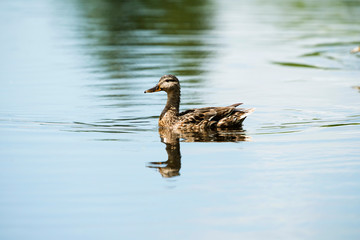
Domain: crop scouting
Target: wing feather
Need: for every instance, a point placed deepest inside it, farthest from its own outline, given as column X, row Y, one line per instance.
column 212, row 117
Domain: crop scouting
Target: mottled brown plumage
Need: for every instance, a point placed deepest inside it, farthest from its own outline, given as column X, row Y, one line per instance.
column 198, row 118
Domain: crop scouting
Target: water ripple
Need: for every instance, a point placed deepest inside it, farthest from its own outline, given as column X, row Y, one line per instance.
column 300, row 126
column 302, row 65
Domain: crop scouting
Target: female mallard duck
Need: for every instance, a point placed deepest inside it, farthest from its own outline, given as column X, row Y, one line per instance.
column 199, row 118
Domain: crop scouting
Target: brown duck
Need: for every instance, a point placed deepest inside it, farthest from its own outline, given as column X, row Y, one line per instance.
column 197, row 118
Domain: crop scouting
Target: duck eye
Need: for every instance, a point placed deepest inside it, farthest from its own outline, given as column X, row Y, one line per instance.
column 169, row 80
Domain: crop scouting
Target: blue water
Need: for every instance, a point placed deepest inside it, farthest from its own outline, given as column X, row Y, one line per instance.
column 80, row 152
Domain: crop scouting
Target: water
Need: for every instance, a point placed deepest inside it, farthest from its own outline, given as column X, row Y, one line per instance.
column 81, row 155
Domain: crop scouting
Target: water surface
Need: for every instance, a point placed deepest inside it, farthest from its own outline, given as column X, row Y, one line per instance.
column 81, row 154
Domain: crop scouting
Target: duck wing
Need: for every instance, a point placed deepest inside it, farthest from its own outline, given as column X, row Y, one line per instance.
column 213, row 117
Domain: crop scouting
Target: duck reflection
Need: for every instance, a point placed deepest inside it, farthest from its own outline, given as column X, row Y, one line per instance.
column 171, row 167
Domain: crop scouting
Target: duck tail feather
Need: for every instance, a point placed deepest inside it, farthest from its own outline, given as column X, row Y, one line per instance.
column 235, row 104
column 249, row 111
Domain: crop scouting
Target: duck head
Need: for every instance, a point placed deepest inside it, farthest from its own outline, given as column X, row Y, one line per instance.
column 167, row 83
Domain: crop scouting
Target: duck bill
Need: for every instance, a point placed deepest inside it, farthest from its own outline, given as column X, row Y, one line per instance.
column 154, row 89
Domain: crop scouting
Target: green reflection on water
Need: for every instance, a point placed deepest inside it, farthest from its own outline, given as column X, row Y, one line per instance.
column 123, row 36
column 133, row 43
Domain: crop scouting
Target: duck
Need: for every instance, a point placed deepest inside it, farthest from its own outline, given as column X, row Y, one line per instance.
column 355, row 50
column 196, row 119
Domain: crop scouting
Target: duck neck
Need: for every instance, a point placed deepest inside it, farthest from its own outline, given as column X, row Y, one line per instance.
column 172, row 104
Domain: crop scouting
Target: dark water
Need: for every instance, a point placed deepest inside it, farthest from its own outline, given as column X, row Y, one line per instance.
column 80, row 153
